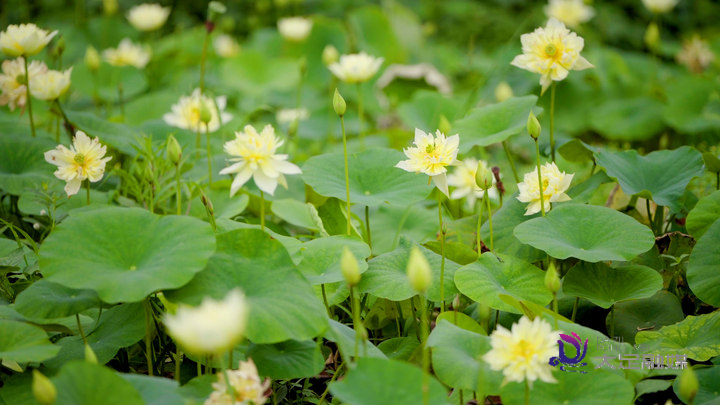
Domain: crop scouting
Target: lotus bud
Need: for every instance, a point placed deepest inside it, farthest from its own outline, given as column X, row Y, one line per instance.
column 110, row 7
column 349, row 267
column 215, row 8
column 688, row 385
column 483, row 176
column 174, row 151
column 330, row 55
column 533, row 126
column 59, row 46
column 92, row 59
column 418, row 271
column 552, row 281
column 652, row 36
column 43, row 389
column 456, row 302
column 205, row 113
column 90, row 356
column 339, row 104
column 503, row 91
column 444, row 125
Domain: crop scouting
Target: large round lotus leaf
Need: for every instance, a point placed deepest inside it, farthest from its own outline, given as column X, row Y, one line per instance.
column 83, row 383
column 321, row 258
column 660, row 175
column 386, row 276
column 22, row 163
column 709, row 386
column 703, row 276
column 696, row 336
column 119, row 136
column 126, row 253
column 604, row 285
column 597, row 387
column 344, row 337
column 21, row 342
column 372, row 27
column 457, row 359
column 705, row 213
column 282, row 303
column 378, row 381
column 510, row 215
column 587, row 232
column 494, row 123
column 492, row 275
column 286, row 360
column 651, row 313
column 399, row 348
column 155, row 390
column 374, row 179
column 44, row 299
column 255, row 74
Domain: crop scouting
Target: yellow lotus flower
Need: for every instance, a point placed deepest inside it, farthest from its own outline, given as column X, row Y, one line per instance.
column 246, row 385
column 148, row 16
column 570, row 12
column 12, row 81
column 295, row 29
column 127, row 54
column 24, row 39
column 523, row 353
column 288, row 115
column 555, row 183
column 84, row 160
column 212, row 328
column 463, row 179
column 186, row 114
column 51, row 84
column 660, row 6
column 255, row 157
column 356, row 68
column 696, row 55
column 225, row 46
column 552, row 52
column 431, row 155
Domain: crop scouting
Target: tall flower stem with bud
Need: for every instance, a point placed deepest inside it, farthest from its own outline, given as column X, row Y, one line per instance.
column 420, row 277
column 351, row 273
column 340, row 107
column 27, row 95
column 442, row 255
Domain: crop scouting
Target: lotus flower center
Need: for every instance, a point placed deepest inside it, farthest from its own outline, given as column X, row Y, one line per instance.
column 21, row 79
column 430, row 148
column 79, row 158
column 550, row 49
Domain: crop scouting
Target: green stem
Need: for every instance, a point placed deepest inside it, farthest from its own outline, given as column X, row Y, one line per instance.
column 199, row 367
column 178, row 357
column 510, row 159
column 717, row 181
column 198, row 141
column 367, row 227
column 178, row 194
column 487, row 201
column 659, row 218
column 203, row 58
column 262, row 210
column 121, row 101
column 527, row 390
column 575, row 308
column 209, row 154
column 57, row 129
column 325, row 301
column 148, row 337
column 540, row 182
column 80, row 329
column 347, row 175
column 27, row 95
column 442, row 256
column 552, row 121
column 327, row 389
column 479, row 225
column 612, row 322
column 230, row 389
column 87, row 190
column 425, row 331
column 360, row 114
column 650, row 220
column 355, row 319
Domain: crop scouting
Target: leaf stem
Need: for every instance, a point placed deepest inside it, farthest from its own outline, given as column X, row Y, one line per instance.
column 87, row 190
column 367, row 226
column 510, row 159
column 148, row 337
column 541, row 189
column 80, row 329
column 487, row 201
column 479, row 225
column 360, row 114
column 178, row 194
column 347, row 175
column 442, row 255
column 424, row 330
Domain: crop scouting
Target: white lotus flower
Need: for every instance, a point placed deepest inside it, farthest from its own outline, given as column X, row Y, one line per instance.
column 148, row 16
column 555, row 183
column 247, row 387
column 51, row 84
column 225, row 46
column 13, row 81
column 84, row 160
column 24, row 39
column 127, row 54
column 254, row 156
column 523, row 353
column 356, row 68
column 660, row 6
column 552, row 52
column 212, row 328
column 295, row 29
column 570, row 12
column 288, row 115
column 187, row 113
column 431, row 155
column 696, row 55
column 463, row 179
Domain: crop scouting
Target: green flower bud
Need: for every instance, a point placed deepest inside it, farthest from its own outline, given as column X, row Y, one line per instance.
column 349, row 267
column 483, row 176
column 43, row 389
column 174, row 151
column 444, row 125
column 205, row 112
column 90, row 356
column 330, row 55
column 92, row 58
column 533, row 126
column 503, row 91
column 688, row 385
column 339, row 104
column 418, row 271
column 552, row 281
column 110, row 7
column 652, row 36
